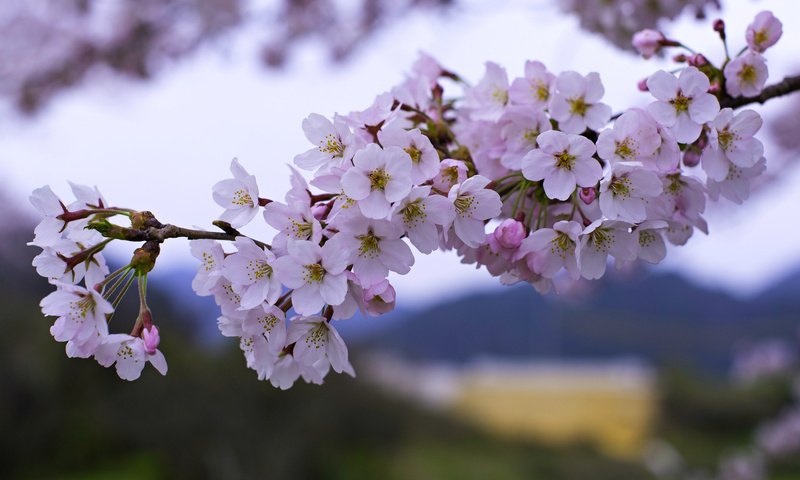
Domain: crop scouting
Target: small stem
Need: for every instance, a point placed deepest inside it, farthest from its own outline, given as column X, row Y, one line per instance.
column 112, row 276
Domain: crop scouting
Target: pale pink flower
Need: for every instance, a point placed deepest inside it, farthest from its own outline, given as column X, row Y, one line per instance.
column 576, row 102
column 535, row 88
column 474, row 204
column 451, row 172
column 316, row 339
column 378, row 178
column 746, row 75
column 238, row 196
column 129, row 355
column 285, row 372
column 420, row 214
column 374, row 247
column 682, row 204
column 562, row 161
column 379, row 298
column 683, row 103
column 736, row 184
column 268, row 321
column 551, row 249
column 764, row 32
column 731, row 141
column 250, row 272
column 521, row 127
column 487, row 99
column 52, row 263
column 424, row 158
column 315, row 273
column 295, row 221
column 48, row 231
column 333, row 142
column 259, row 354
column 650, row 234
column 634, row 138
column 601, row 239
column 81, row 313
column 648, row 42
column 625, row 191
column 427, row 66
column 229, row 302
column 211, row 256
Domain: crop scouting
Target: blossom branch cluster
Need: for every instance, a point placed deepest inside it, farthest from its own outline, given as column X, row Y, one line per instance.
column 524, row 177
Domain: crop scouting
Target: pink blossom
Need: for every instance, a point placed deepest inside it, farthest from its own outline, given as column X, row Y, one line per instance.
column 378, row 178
column 601, row 239
column 535, row 88
column 151, row 339
column 552, row 249
column 625, row 191
column 238, row 196
column 633, row 138
column 764, row 32
column 316, row 339
column 562, row 161
column 424, row 159
column 731, row 141
column 521, row 127
column 130, row 355
column 746, row 75
column 507, row 237
column 648, row 42
column 379, row 298
column 576, row 102
column 451, row 172
column 736, row 184
column 473, row 204
column 487, row 99
column 315, row 273
column 420, row 214
column 683, row 103
column 333, row 142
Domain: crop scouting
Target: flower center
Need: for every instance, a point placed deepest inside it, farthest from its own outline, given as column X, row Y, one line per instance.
column 318, row 337
column 747, row 74
column 414, row 153
column 314, row 273
column 301, row 231
column 268, row 322
column 242, row 198
column 331, row 145
column 681, row 103
column 646, row 237
column 465, row 205
column 529, row 136
column 370, row 245
column 726, row 138
column 80, row 308
column 414, row 213
column 258, row 269
column 621, row 187
column 565, row 161
column 500, row 95
column 578, row 106
column 542, row 92
column 625, row 149
column 378, row 179
column 208, row 261
column 450, row 174
column 562, row 246
column 602, row 239
column 760, row 37
column 675, row 184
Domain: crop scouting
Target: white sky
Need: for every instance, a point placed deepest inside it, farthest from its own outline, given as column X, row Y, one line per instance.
column 162, row 145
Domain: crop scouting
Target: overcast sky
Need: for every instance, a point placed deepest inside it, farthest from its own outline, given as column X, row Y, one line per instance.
column 161, row 145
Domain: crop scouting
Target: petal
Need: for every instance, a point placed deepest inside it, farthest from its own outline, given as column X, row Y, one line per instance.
column 559, row 184
column 662, row 85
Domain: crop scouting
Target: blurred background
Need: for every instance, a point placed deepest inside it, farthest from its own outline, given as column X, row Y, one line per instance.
column 687, row 370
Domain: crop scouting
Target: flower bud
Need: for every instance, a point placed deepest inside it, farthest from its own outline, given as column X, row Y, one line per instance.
column 379, row 298
column 679, row 58
column 642, row 85
column 508, row 234
column 151, row 339
column 648, row 42
column 319, row 210
column 691, row 157
column 697, row 60
column 719, row 27
column 714, row 87
column 587, row 195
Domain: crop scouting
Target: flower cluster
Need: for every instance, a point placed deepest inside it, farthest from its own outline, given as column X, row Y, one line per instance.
column 524, row 176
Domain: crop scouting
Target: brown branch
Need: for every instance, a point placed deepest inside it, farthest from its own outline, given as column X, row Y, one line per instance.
column 160, row 233
column 784, row 87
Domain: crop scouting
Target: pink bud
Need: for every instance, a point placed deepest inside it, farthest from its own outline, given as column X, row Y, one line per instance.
column 648, row 42
column 714, row 87
column 509, row 234
column 679, row 58
column 319, row 210
column 697, row 60
column 151, row 339
column 587, row 195
column 642, row 85
column 379, row 298
column 691, row 157
column 719, row 27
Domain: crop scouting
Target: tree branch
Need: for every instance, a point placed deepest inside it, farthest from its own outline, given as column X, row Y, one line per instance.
column 162, row 232
column 784, row 87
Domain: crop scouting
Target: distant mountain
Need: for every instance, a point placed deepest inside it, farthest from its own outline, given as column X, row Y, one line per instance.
column 662, row 318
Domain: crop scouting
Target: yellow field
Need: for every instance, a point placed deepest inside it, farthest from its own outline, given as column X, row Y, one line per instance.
column 609, row 407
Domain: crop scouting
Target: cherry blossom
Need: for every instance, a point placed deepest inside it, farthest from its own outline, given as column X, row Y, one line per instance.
column 473, row 205
column 562, row 161
column 648, row 42
column 601, row 239
column 238, row 196
column 731, row 142
column 576, row 102
column 81, row 313
column 332, row 141
column 552, row 249
column 625, row 190
column 535, row 88
column 487, row 99
column 420, row 214
column 250, row 272
column 746, row 75
column 128, row 354
column 634, row 138
column 683, row 103
column 764, row 32
column 316, row 339
column 378, row 178
column 315, row 273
